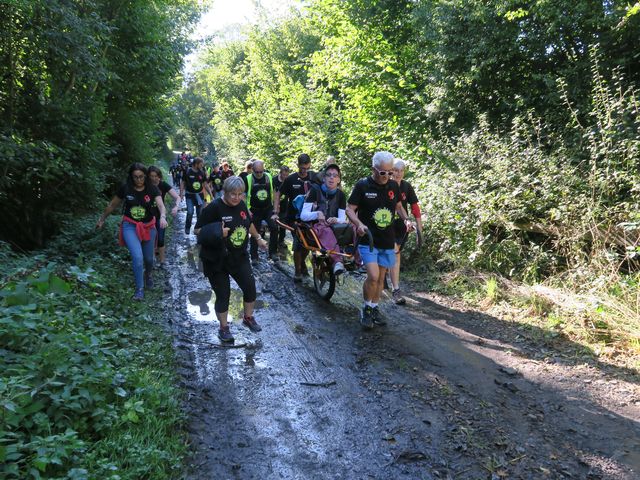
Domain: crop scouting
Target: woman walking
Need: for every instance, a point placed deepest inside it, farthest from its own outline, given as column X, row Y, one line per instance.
column 223, row 230
column 408, row 199
column 155, row 175
column 138, row 227
column 194, row 184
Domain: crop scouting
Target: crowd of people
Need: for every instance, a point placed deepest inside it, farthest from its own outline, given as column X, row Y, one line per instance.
column 231, row 212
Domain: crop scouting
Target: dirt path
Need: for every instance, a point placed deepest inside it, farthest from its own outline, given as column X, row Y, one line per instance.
column 438, row 393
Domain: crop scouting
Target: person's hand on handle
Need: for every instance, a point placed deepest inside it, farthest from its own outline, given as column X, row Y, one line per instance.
column 410, row 225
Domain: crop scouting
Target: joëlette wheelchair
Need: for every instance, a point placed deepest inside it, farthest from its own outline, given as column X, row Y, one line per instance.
column 324, row 280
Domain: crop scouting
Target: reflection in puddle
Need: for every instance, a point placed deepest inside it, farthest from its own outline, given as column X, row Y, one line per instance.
column 249, row 360
column 201, row 305
column 192, row 257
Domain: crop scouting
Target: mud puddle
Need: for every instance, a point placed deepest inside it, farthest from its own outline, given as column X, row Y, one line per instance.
column 312, row 396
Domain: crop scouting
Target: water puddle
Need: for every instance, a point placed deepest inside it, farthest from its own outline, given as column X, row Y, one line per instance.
column 200, row 305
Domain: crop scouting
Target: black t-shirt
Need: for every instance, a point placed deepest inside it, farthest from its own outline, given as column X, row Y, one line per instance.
column 376, row 208
column 164, row 188
column 260, row 192
column 328, row 204
column 277, row 184
column 238, row 220
column 138, row 205
column 407, row 197
column 293, row 186
column 194, row 181
column 216, row 181
column 225, row 174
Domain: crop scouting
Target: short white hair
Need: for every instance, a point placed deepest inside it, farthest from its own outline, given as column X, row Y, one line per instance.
column 380, row 158
column 399, row 164
column 233, row 184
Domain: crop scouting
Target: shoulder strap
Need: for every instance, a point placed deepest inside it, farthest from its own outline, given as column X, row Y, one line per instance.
column 270, row 180
column 249, row 180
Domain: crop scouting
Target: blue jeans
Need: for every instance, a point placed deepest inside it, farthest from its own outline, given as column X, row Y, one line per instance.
column 141, row 252
column 193, row 202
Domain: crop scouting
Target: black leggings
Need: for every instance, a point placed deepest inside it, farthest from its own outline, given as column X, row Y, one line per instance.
column 221, row 284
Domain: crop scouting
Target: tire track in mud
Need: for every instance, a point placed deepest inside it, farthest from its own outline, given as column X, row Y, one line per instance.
column 312, row 396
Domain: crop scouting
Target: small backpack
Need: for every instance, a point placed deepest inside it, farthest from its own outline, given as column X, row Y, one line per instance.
column 298, row 200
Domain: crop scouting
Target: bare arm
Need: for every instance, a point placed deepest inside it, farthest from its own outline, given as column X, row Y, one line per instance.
column 113, row 204
column 163, row 211
column 262, row 243
column 352, row 214
column 176, row 199
column 276, row 204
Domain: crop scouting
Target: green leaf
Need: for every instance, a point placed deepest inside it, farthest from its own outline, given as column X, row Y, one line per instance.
column 58, row 285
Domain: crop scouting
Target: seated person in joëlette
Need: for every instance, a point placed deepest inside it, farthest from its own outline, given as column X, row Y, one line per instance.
column 325, row 205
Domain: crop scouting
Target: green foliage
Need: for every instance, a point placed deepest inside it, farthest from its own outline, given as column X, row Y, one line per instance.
column 519, row 121
column 81, row 95
column 84, row 388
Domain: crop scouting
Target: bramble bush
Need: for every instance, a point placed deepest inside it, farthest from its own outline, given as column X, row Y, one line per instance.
column 528, row 203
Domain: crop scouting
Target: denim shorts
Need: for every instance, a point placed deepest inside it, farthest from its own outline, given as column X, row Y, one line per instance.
column 385, row 257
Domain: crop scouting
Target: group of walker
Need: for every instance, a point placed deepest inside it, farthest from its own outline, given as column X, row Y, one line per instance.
column 377, row 206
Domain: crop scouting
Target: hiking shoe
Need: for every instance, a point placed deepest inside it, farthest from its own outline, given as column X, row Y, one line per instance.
column 377, row 317
column 397, row 297
column 148, row 281
column 366, row 317
column 338, row 268
column 138, row 296
column 224, row 334
column 251, row 324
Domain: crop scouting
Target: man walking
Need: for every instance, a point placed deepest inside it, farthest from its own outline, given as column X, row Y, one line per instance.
column 371, row 206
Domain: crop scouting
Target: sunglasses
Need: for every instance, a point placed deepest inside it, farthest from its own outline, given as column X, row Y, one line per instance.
column 258, row 172
column 383, row 173
column 332, row 175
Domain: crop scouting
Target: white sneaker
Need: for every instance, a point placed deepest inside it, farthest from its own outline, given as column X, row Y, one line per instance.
column 338, row 268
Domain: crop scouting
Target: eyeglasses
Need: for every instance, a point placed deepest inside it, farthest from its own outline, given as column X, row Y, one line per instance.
column 138, row 177
column 383, row 173
column 332, row 175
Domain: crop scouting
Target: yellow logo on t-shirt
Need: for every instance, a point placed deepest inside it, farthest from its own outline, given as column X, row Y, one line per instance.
column 382, row 218
column 138, row 213
column 196, row 186
column 262, row 195
column 238, row 236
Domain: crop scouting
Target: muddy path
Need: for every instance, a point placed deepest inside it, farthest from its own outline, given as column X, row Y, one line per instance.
column 439, row 392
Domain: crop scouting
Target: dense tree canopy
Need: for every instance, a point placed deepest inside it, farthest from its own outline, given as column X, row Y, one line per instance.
column 82, row 86
column 519, row 119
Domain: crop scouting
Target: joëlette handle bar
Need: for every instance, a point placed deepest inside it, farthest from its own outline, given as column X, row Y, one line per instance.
column 406, row 235
column 292, row 230
column 370, row 240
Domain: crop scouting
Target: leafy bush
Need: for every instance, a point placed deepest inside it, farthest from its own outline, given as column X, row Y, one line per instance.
column 84, row 389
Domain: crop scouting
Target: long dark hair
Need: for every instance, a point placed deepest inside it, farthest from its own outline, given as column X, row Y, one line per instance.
column 132, row 168
column 156, row 170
